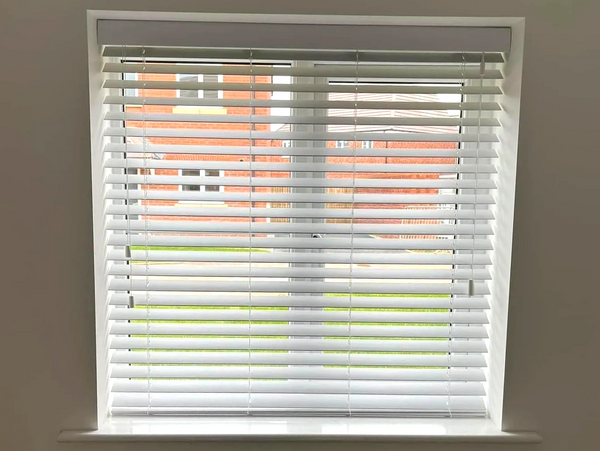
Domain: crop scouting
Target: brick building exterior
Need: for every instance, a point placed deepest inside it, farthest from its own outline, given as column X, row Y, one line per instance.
column 260, row 111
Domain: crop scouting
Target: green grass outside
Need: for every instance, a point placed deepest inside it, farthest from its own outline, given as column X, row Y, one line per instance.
column 363, row 309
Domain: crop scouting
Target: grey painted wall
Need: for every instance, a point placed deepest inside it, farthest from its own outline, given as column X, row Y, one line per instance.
column 47, row 377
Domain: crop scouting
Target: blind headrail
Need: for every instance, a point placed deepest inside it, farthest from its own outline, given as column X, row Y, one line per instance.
column 304, row 36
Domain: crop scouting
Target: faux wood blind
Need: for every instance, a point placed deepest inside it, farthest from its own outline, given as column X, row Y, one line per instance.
column 312, row 237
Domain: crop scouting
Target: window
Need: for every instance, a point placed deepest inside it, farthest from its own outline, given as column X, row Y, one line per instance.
column 130, row 92
column 212, row 188
column 187, row 78
column 190, row 173
column 345, row 144
column 211, row 93
column 337, row 282
column 206, row 186
column 132, row 172
column 199, row 93
column 366, row 144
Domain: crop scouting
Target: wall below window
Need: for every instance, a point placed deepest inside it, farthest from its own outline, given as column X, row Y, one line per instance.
column 47, row 376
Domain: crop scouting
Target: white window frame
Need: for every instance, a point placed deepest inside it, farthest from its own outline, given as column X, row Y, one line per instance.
column 507, row 197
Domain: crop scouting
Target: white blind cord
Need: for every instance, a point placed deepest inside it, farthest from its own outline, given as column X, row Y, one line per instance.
column 146, row 237
column 455, row 236
column 130, row 298
column 352, row 206
column 481, row 75
column 250, row 222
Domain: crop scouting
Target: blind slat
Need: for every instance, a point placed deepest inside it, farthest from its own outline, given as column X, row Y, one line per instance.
column 311, row 55
column 312, row 136
column 263, row 358
column 303, row 87
column 301, row 387
column 301, row 151
column 302, row 213
column 300, row 197
column 241, row 256
column 243, row 300
column 146, row 163
column 301, row 183
column 317, row 373
column 260, row 400
column 297, row 330
column 374, row 229
column 295, row 287
column 384, row 71
column 326, row 120
column 298, row 316
column 302, row 243
column 242, row 411
column 282, row 273
column 295, row 344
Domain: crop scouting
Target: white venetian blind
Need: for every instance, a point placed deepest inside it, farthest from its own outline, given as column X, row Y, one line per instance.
column 315, row 239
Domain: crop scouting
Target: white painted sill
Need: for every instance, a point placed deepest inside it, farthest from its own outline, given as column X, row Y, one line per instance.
column 227, row 429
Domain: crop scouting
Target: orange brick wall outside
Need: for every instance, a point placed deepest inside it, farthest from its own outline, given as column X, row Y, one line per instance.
column 265, row 143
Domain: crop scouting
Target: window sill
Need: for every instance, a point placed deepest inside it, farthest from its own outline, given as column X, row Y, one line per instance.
column 227, row 429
